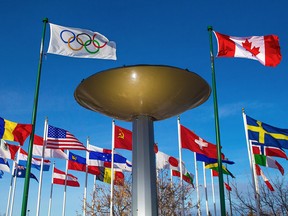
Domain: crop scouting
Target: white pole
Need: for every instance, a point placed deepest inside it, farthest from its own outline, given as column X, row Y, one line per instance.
column 197, row 185
column 14, row 184
column 205, row 189
column 65, row 187
column 51, row 191
column 13, row 193
column 252, row 166
column 213, row 193
column 10, row 188
column 94, row 191
column 86, row 179
column 171, row 175
column 112, row 169
column 181, row 171
column 41, row 168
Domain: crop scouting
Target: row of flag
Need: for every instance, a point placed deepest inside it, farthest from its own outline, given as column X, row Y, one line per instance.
column 59, row 139
column 266, row 142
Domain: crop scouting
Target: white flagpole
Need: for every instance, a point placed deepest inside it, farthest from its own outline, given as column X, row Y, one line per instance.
column 10, row 188
column 213, row 193
column 171, row 174
column 181, row 171
column 205, row 189
column 197, row 185
column 65, row 187
column 41, row 168
column 14, row 184
column 94, row 191
column 112, row 169
column 252, row 166
column 51, row 191
column 13, row 193
column 86, row 179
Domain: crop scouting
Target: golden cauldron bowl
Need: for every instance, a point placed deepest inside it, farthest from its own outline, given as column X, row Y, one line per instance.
column 157, row 91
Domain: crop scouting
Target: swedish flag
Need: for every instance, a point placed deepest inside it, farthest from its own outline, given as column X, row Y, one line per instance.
column 266, row 134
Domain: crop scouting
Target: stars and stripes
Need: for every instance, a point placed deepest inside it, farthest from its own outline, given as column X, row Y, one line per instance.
column 58, row 138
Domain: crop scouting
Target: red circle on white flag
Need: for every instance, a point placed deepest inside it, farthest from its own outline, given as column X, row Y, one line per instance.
column 173, row 161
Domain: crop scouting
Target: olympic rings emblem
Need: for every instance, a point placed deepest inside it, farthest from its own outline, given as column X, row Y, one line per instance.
column 79, row 39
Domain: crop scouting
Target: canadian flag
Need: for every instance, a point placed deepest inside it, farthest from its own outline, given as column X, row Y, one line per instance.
column 265, row 49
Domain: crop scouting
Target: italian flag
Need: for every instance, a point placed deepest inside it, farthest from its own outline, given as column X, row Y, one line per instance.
column 265, row 49
column 267, row 161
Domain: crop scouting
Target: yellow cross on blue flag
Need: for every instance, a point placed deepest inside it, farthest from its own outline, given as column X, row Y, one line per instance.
column 266, row 134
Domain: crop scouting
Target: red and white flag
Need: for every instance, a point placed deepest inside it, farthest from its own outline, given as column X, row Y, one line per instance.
column 7, row 150
column 59, row 178
column 48, row 153
column 265, row 49
column 269, row 151
column 266, row 180
column 164, row 161
column 191, row 141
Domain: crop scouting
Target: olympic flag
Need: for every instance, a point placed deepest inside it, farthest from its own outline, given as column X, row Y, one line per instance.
column 81, row 43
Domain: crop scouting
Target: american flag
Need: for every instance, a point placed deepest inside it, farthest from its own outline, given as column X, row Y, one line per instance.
column 58, row 138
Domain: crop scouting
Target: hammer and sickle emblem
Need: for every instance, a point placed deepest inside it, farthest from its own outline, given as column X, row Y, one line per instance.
column 121, row 134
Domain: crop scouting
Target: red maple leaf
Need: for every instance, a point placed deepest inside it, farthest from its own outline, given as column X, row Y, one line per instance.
column 247, row 45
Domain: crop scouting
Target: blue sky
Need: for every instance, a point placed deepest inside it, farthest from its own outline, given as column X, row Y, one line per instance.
column 146, row 32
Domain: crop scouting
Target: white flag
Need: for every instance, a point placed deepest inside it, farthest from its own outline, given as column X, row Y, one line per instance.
column 81, row 43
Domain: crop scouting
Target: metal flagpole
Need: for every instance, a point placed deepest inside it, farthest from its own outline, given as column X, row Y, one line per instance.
column 181, row 171
column 34, row 115
column 14, row 183
column 197, row 186
column 86, row 180
column 41, row 168
column 65, row 187
column 205, row 189
column 51, row 191
column 13, row 193
column 252, row 165
column 10, row 188
column 213, row 192
column 112, row 169
column 217, row 128
column 94, row 191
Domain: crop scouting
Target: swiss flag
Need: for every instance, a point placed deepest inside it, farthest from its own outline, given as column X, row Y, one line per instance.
column 265, row 49
column 191, row 141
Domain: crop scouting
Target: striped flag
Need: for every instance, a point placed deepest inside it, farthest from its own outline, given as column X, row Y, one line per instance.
column 13, row 131
column 101, row 157
column 35, row 162
column 60, row 176
column 61, row 139
column 105, row 176
column 48, row 153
